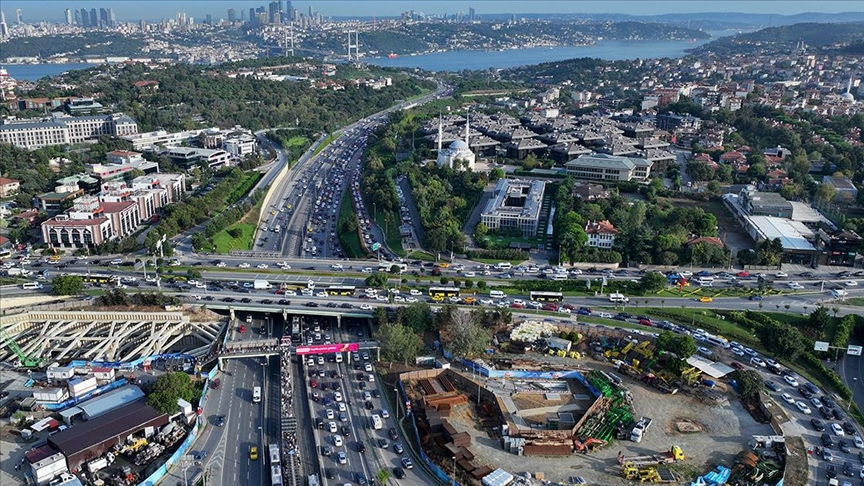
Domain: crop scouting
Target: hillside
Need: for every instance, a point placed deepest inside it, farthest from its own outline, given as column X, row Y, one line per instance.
column 785, row 38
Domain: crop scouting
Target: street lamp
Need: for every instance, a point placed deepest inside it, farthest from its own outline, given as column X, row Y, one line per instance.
column 454, row 470
column 396, row 391
column 854, row 387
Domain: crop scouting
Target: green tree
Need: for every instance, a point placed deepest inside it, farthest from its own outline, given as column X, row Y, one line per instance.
column 193, row 273
column 825, row 193
column 67, row 285
column 398, row 342
column 780, row 339
column 496, row 173
column 376, row 280
column 652, row 282
column 395, row 268
column 418, row 317
column 464, row 336
column 168, row 388
column 750, row 383
column 819, row 319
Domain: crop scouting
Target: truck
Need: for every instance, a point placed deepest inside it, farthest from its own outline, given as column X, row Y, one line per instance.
column 639, row 429
column 23, row 272
column 674, row 454
column 261, row 285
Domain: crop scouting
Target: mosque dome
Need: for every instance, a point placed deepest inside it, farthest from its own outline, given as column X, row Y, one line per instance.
column 847, row 96
column 459, row 145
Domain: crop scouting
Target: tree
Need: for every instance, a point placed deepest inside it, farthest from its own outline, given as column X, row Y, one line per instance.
column 395, row 268
column 67, row 285
column 819, row 319
column 398, row 342
column 384, row 475
column 168, row 388
column 781, row 339
column 418, row 317
column 376, row 280
column 496, row 173
column 652, row 282
column 463, row 336
column 750, row 383
column 825, row 193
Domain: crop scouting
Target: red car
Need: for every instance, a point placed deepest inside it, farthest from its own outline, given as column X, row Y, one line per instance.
column 517, row 306
column 645, row 322
column 743, row 274
column 550, row 307
column 313, row 384
column 242, row 328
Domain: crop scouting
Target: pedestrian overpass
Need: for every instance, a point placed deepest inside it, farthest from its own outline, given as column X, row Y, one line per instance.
column 337, row 312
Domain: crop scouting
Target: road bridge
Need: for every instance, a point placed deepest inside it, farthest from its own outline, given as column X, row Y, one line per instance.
column 338, row 313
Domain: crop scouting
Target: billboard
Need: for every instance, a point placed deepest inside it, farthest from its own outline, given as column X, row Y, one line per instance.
column 327, row 348
column 853, row 350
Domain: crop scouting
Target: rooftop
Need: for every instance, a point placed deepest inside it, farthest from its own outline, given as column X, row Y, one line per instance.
column 112, row 400
column 792, row 234
column 608, row 161
column 516, row 196
column 116, row 423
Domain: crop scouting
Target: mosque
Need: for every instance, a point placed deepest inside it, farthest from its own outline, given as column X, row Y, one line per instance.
column 457, row 151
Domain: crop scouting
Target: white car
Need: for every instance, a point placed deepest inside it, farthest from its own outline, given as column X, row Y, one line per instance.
column 791, row 380
column 243, row 265
column 804, row 408
column 329, row 413
column 321, row 294
column 221, row 265
column 787, row 398
column 331, row 426
column 859, row 443
column 781, row 275
column 81, row 257
column 850, row 283
column 263, row 266
column 837, row 429
column 337, row 396
column 415, row 292
column 757, row 362
column 816, row 402
column 291, row 293
column 336, row 266
column 284, row 265
column 337, row 440
column 385, row 413
column 487, row 301
column 365, row 307
column 737, row 351
column 412, row 300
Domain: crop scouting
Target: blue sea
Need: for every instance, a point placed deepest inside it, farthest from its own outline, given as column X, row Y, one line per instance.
column 610, row 50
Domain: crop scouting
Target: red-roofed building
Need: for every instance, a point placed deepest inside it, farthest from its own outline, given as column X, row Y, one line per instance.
column 707, row 160
column 733, row 157
column 8, row 187
column 708, row 240
column 778, row 177
column 601, row 234
column 124, row 215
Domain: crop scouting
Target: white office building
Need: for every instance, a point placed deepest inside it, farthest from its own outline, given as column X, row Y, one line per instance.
column 515, row 204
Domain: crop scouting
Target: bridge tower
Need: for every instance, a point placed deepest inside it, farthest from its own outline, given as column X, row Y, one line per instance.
column 353, row 45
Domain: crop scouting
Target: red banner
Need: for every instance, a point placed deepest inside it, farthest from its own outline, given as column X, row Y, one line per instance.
column 328, row 348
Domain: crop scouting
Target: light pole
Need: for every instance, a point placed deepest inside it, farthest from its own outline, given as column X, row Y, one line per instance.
column 396, row 391
column 854, row 387
column 454, row 470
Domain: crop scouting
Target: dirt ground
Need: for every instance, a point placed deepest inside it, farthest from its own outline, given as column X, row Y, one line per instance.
column 709, row 435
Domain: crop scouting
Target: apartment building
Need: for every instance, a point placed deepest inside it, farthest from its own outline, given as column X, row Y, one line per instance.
column 58, row 129
column 605, row 167
column 515, row 204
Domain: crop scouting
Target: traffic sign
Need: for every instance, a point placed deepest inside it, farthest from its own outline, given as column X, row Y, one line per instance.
column 376, row 246
column 853, row 350
column 820, row 346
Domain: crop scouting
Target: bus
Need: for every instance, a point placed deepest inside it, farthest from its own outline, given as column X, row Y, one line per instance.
column 442, row 292
column 5, row 253
column 275, row 475
column 543, row 296
column 274, row 454
column 717, row 340
column 99, row 278
column 341, row 290
column 256, row 394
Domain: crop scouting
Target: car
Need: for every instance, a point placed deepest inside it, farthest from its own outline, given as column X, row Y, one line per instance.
column 407, row 462
column 365, row 307
column 359, row 478
column 331, row 426
column 781, row 275
column 242, row 328
column 385, row 413
column 756, row 297
column 319, row 423
column 858, row 442
column 803, row 407
column 220, row 421
column 398, row 473
column 816, row 403
column 398, row 449
column 337, row 396
column 818, row 425
column 253, row 453
column 329, row 473
column 787, row 398
column 704, row 351
column 326, row 451
column 804, row 392
column 827, row 455
column 392, row 433
column 791, row 380
column 773, row 386
column 705, row 299
column 337, row 440
column 341, row 458
column 757, row 362
column 361, row 447
column 382, row 443
column 850, row 283
column 329, row 414
column 831, row 470
column 838, row 430
column 844, row 446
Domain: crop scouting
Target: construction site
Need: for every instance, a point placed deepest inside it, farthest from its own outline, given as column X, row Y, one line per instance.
column 608, row 407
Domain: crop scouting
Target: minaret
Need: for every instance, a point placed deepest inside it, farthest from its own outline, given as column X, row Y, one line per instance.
column 467, row 129
column 440, row 132
column 849, row 85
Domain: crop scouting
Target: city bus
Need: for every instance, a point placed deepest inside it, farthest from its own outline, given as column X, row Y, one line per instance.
column 256, row 394
column 99, row 278
column 5, row 253
column 443, row 292
column 341, row 290
column 543, row 296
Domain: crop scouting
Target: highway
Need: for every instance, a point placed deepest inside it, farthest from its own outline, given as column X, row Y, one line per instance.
column 302, row 210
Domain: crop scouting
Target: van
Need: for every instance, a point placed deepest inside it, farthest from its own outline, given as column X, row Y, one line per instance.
column 497, row 294
column 559, row 276
column 705, row 281
column 503, row 266
column 31, row 286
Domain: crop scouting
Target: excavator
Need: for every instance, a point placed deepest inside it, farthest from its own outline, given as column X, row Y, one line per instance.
column 585, row 446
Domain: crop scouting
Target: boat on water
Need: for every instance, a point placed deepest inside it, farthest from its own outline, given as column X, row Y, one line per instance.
column 392, row 55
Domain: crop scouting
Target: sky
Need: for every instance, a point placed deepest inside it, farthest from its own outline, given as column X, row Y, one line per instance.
column 133, row 10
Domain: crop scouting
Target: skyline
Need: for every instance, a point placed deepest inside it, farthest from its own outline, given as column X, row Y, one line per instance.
column 133, row 11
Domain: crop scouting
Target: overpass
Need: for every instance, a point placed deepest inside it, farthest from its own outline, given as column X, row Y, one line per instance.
column 338, row 313
column 271, row 347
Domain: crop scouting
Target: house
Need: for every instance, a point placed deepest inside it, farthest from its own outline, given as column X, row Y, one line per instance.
column 9, row 187
column 601, row 234
column 589, row 192
column 846, row 190
column 756, row 203
column 606, row 167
